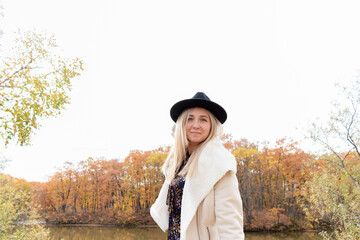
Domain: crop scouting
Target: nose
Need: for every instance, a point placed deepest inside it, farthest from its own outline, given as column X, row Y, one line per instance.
column 196, row 124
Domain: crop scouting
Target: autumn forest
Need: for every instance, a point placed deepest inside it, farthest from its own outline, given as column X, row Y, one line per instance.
column 272, row 182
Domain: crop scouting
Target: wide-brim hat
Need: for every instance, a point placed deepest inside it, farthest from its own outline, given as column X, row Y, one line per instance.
column 198, row 100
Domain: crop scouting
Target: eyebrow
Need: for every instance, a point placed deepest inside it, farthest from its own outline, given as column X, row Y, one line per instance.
column 199, row 116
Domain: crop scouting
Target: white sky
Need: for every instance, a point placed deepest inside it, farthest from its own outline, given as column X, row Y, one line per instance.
column 271, row 64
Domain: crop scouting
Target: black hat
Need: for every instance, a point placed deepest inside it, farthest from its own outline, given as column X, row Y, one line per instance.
column 199, row 100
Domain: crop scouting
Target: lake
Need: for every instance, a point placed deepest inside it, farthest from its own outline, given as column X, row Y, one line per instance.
column 150, row 233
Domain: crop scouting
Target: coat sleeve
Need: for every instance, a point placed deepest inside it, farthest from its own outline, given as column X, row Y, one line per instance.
column 228, row 208
column 159, row 211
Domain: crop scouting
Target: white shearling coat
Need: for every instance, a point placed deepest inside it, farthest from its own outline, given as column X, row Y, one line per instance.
column 211, row 202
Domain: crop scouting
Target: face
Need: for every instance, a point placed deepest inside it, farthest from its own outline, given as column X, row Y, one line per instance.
column 198, row 126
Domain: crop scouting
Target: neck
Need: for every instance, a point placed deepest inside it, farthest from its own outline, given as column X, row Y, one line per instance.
column 192, row 148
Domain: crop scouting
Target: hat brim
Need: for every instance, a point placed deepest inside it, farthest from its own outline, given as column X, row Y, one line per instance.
column 213, row 107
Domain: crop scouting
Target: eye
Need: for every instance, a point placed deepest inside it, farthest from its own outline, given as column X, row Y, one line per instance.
column 190, row 118
column 203, row 120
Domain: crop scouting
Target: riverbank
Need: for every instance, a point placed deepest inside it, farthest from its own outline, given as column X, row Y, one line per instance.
column 156, row 226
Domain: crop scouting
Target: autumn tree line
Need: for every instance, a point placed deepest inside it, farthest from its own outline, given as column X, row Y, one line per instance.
column 122, row 192
column 272, row 182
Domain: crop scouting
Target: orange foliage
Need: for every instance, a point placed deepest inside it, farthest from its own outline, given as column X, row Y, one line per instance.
column 103, row 191
column 122, row 192
column 270, row 179
column 273, row 219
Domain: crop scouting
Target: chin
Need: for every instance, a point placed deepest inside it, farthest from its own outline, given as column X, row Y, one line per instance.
column 197, row 141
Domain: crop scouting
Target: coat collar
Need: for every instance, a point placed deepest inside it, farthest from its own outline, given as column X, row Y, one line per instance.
column 214, row 162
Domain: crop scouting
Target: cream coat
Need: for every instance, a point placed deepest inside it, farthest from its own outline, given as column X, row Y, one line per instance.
column 211, row 203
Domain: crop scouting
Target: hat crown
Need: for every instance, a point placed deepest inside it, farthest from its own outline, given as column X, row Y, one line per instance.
column 201, row 95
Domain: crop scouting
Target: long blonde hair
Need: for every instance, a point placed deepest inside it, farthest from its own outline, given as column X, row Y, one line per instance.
column 178, row 151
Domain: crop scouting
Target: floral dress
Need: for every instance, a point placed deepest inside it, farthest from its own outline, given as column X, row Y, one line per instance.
column 173, row 201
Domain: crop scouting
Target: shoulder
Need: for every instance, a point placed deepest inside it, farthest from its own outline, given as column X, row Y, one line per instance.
column 228, row 180
column 215, row 155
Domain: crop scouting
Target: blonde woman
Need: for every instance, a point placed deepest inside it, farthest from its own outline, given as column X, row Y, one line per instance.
column 200, row 197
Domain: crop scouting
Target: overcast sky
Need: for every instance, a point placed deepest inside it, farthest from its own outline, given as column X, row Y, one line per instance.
column 271, row 64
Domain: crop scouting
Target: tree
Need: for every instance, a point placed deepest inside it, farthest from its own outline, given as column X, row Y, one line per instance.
column 334, row 193
column 16, row 208
column 34, row 83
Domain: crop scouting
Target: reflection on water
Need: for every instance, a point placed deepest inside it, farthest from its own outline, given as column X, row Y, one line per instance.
column 283, row 236
column 105, row 233
column 116, row 233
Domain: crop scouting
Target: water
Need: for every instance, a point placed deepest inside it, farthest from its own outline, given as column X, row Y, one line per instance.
column 116, row 233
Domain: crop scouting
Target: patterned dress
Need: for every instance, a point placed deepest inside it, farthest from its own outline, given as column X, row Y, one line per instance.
column 173, row 201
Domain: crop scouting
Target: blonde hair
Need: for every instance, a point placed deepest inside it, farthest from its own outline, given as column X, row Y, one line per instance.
column 178, row 151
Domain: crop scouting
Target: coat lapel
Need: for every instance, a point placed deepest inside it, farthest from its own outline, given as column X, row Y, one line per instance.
column 214, row 162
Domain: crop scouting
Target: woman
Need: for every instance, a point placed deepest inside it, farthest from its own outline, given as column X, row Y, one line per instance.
column 200, row 197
